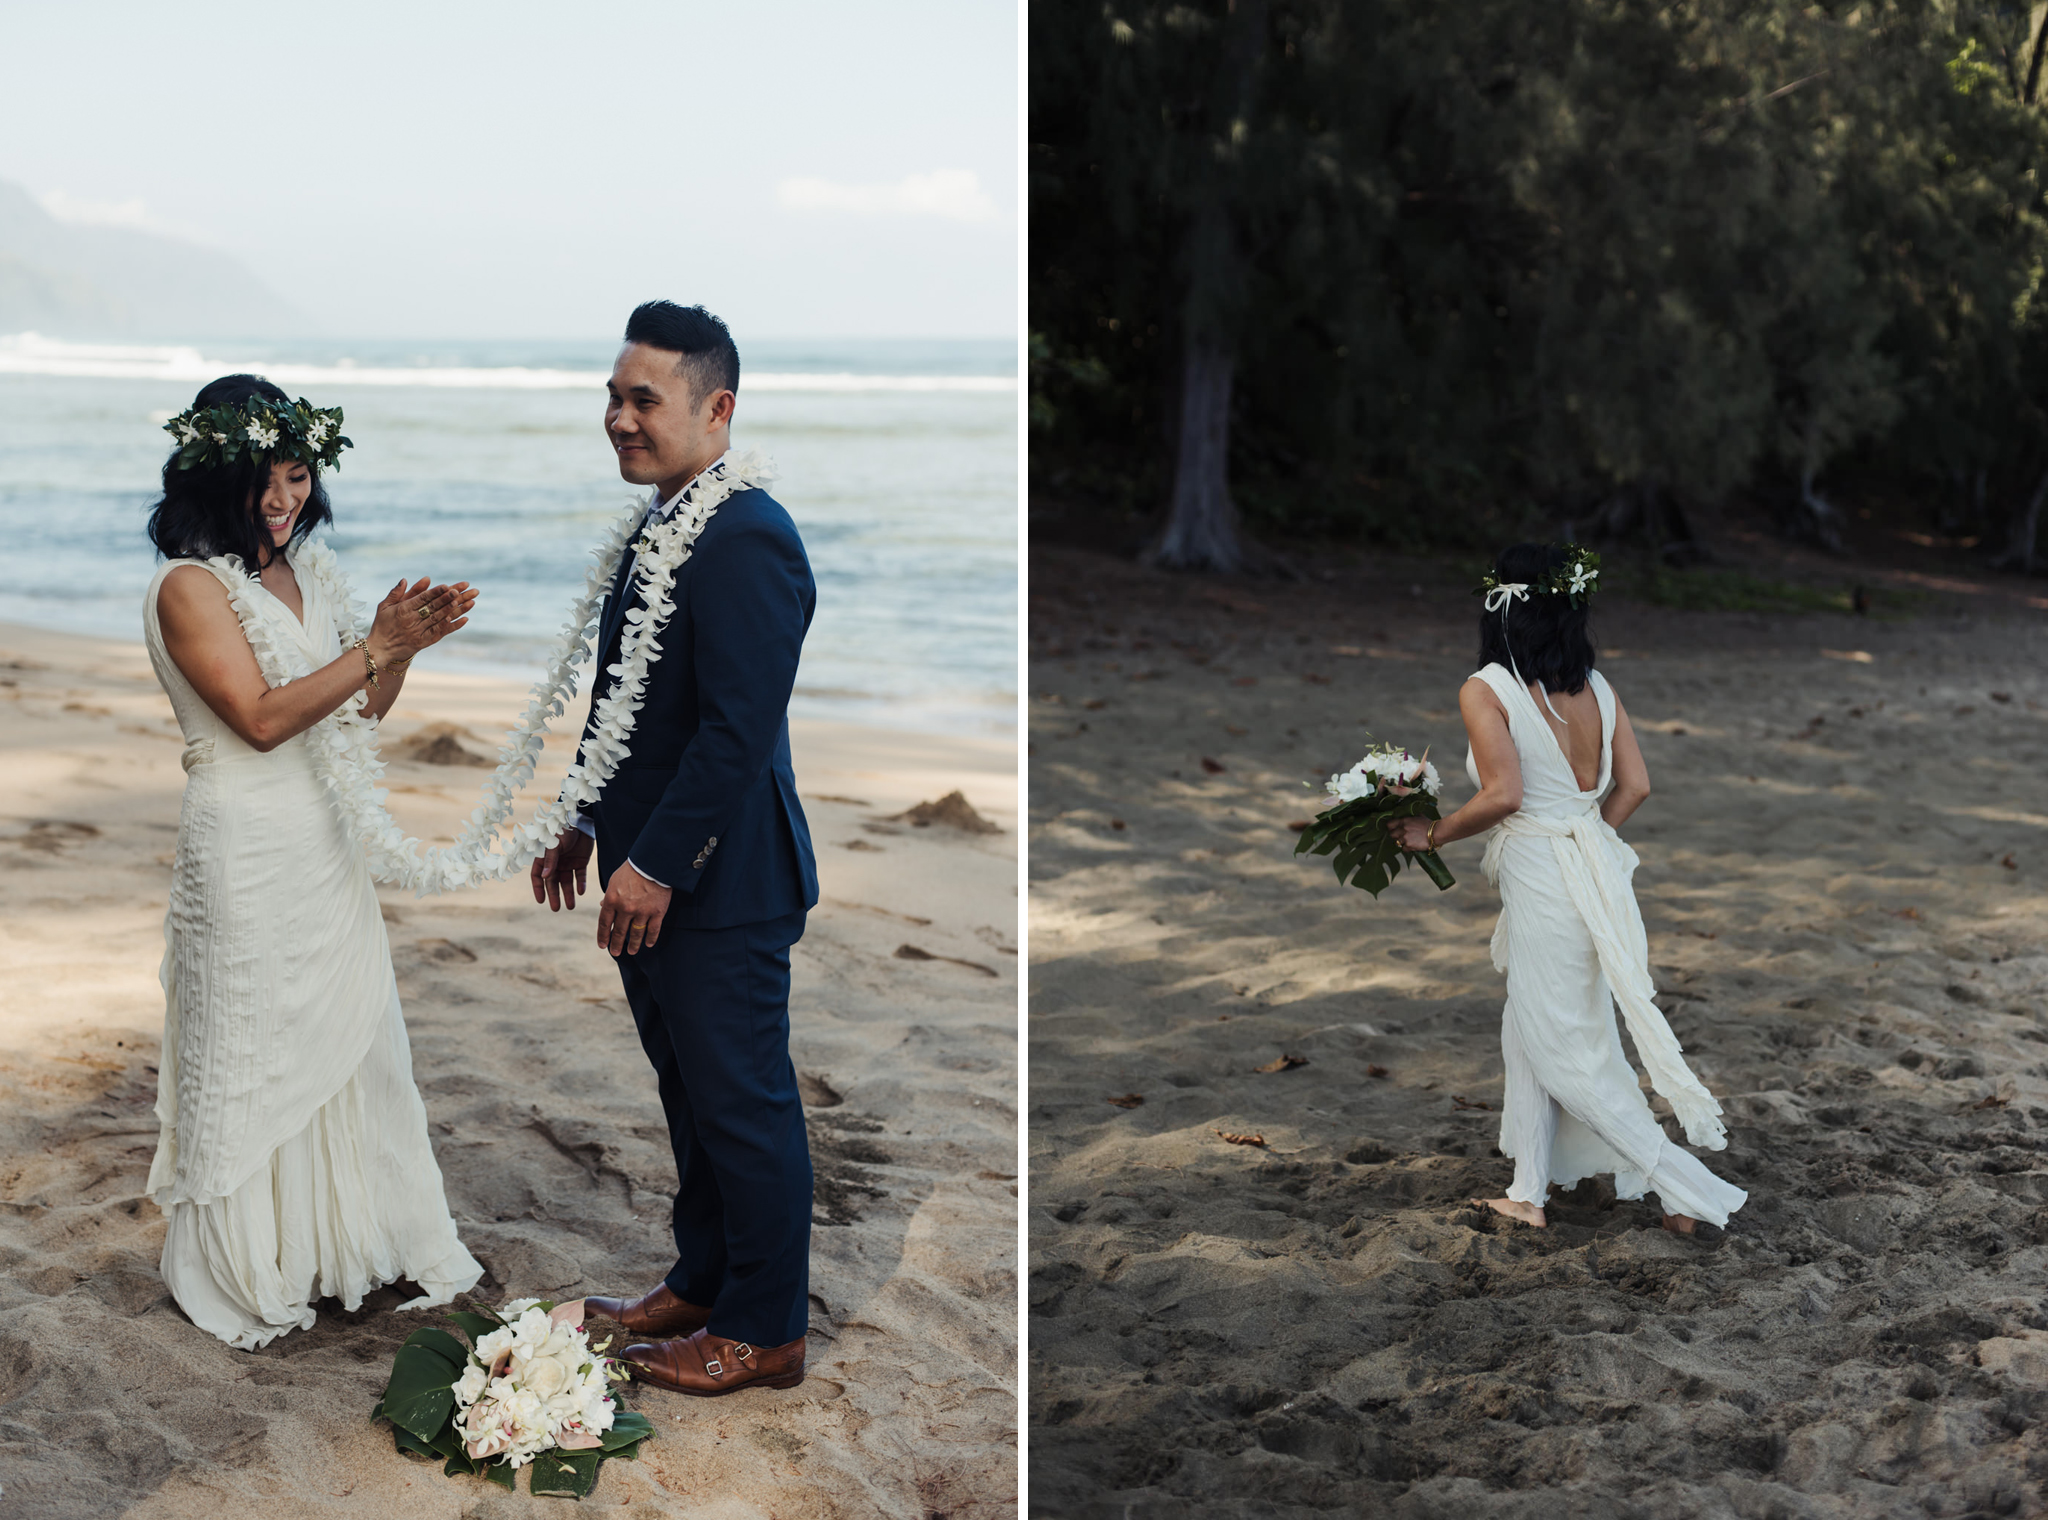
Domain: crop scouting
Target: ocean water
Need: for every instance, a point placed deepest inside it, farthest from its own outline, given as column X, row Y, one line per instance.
column 487, row 462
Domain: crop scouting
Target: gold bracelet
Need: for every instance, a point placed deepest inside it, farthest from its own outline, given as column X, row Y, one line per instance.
column 369, row 660
column 1429, row 834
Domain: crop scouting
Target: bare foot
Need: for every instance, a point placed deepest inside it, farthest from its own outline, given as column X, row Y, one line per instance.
column 1679, row 1224
column 1525, row 1213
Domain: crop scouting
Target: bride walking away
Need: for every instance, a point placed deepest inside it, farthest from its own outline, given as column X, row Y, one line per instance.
column 1558, row 771
column 294, row 1162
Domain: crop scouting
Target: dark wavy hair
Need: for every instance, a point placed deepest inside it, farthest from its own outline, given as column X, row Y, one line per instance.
column 704, row 350
column 1545, row 637
column 205, row 512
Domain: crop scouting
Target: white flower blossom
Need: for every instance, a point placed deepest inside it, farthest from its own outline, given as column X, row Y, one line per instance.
column 264, row 436
column 1349, row 786
column 1395, row 767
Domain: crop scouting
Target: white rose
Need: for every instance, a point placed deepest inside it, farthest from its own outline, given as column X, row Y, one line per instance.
column 544, row 1377
column 471, row 1384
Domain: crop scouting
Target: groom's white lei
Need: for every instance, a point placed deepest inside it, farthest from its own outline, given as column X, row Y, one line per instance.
column 344, row 744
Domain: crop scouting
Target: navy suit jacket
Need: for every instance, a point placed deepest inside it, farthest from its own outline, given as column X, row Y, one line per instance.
column 707, row 799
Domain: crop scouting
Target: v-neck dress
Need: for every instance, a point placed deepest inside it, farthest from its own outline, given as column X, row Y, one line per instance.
column 294, row 1162
column 1571, row 941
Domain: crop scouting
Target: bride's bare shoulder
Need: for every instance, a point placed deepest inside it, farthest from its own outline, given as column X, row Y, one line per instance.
column 190, row 589
column 1478, row 696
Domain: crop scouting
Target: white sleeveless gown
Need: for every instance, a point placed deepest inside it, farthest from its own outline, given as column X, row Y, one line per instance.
column 1571, row 941
column 294, row 1162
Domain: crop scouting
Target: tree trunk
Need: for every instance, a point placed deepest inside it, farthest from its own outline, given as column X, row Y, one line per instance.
column 1202, row 525
column 2026, row 529
column 1818, row 520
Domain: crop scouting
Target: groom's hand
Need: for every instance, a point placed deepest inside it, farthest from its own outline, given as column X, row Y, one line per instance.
column 560, row 874
column 631, row 914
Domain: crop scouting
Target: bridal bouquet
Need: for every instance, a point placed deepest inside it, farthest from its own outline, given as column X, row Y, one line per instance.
column 1387, row 784
column 531, row 1389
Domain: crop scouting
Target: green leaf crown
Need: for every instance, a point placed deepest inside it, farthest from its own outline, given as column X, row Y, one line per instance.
column 260, row 428
column 1574, row 579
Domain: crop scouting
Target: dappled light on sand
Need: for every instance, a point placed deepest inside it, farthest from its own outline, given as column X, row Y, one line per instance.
column 1262, row 1283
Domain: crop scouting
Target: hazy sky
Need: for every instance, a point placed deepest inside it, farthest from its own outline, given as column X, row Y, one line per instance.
column 533, row 170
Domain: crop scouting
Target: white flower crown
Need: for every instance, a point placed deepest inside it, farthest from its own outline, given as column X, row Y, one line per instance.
column 216, row 435
column 1573, row 579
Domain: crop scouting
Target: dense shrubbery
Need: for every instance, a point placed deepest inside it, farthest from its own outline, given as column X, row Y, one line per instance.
column 1431, row 272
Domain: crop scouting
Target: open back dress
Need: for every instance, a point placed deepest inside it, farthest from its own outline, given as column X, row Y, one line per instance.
column 1571, row 941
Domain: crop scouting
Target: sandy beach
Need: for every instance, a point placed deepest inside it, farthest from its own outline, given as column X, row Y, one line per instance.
column 546, row 1126
column 1843, row 872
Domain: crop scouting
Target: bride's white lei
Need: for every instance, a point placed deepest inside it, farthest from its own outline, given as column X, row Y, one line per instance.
column 344, row 744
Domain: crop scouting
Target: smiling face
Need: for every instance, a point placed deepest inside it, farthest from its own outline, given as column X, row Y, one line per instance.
column 662, row 434
column 284, row 497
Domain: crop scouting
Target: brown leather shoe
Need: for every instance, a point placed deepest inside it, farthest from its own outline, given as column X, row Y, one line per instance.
column 658, row 1314
column 708, row 1365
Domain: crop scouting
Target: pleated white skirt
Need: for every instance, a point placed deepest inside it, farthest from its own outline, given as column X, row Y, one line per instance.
column 1574, row 1107
column 350, row 1203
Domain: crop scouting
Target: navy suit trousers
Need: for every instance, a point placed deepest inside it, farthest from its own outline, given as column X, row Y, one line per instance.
column 712, row 1006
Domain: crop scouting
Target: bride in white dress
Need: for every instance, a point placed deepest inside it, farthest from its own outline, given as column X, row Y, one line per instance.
column 1558, row 770
column 294, row 1162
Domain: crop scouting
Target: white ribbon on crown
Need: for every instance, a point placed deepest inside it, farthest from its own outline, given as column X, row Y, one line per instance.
column 1498, row 598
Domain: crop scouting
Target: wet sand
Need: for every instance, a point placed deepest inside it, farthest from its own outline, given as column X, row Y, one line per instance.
column 1843, row 878
column 546, row 1126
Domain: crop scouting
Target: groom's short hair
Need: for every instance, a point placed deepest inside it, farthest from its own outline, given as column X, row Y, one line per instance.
column 704, row 350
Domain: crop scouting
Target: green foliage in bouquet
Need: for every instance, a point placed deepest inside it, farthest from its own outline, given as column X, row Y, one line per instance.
column 419, row 1401
column 1367, row 857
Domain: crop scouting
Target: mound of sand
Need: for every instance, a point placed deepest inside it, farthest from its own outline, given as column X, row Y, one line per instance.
column 953, row 810
column 437, row 744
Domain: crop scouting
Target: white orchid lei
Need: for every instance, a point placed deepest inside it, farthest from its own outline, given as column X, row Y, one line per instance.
column 344, row 744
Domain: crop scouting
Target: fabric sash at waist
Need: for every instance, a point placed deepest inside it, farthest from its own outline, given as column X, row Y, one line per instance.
column 1597, row 864
column 203, row 751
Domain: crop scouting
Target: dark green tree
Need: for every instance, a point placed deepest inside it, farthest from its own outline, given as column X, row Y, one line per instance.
column 1422, row 272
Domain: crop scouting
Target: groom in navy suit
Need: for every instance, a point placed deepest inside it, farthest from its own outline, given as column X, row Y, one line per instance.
column 707, row 871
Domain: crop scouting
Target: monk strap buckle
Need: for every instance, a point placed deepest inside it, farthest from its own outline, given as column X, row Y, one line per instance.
column 715, row 1367
column 743, row 1351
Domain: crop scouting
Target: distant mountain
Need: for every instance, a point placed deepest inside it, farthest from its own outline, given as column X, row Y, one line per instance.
column 99, row 282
